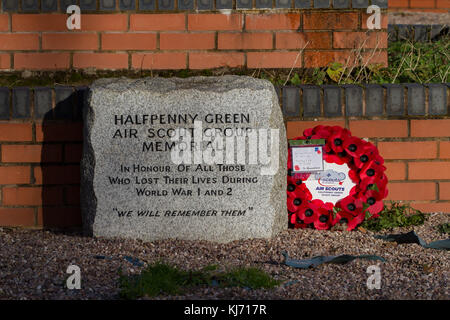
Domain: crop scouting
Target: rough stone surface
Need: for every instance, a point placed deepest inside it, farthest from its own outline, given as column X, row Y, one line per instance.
column 263, row 202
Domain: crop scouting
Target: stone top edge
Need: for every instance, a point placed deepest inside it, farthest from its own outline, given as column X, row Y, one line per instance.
column 164, row 85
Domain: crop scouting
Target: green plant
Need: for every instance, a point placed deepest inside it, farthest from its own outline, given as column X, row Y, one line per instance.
column 161, row 278
column 444, row 228
column 395, row 215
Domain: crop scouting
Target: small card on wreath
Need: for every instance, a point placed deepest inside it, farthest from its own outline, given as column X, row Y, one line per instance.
column 307, row 155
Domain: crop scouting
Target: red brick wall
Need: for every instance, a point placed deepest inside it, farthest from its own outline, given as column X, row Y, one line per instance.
column 30, row 153
column 420, row 5
column 417, row 155
column 129, row 40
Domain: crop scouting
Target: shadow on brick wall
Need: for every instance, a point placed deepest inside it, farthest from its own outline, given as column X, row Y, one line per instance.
column 62, row 140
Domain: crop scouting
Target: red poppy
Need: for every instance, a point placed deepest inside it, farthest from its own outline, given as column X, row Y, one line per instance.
column 368, row 153
column 324, row 218
column 366, row 171
column 337, row 138
column 354, row 146
column 308, row 213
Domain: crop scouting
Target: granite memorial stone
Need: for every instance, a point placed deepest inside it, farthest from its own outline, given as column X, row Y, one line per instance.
column 201, row 158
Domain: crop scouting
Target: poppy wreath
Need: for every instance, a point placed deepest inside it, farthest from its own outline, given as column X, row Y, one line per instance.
column 365, row 200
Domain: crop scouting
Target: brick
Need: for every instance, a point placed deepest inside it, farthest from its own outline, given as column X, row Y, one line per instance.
column 243, row 4
column 244, row 41
column 416, row 99
column 272, row 21
column 444, row 149
column 59, row 217
column 21, row 108
column 295, row 128
column 380, row 57
column 11, row 41
column 4, row 104
column 72, row 195
column 49, row 5
column 107, row 4
column 321, row 4
column 224, row 4
column 69, row 41
column 30, row 5
column 329, row 21
column 398, row 3
column 63, row 102
column 32, row 196
column 151, row 5
column 311, row 101
column 421, row 3
column 73, row 153
column 274, row 59
column 402, row 191
column 158, row 22
column 315, row 58
column 283, row 4
column 111, row 61
column 159, row 61
column 432, row 207
column 87, row 5
column 353, row 100
column 300, row 40
column 10, row 5
column 4, row 22
column 42, row 103
column 356, row 40
column 104, row 22
column 341, row 4
column 360, row 3
column 129, row 41
column 445, row 4
column 430, row 128
column 263, row 4
column 437, row 99
column 219, row 22
column 5, row 61
column 444, row 190
column 180, row 41
column 381, row 3
column 14, row 217
column 39, row 22
column 291, row 101
column 374, row 100
column 127, row 5
column 379, row 128
column 41, row 61
column 303, row 4
column 200, row 60
column 205, row 5
column 408, row 150
column 429, row 170
column 15, row 175
column 57, row 174
column 395, row 100
column 31, row 153
column 12, row 132
column 332, row 101
column 50, row 132
column 395, row 170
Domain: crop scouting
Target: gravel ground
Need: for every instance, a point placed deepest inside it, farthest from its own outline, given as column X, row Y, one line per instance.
column 33, row 264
